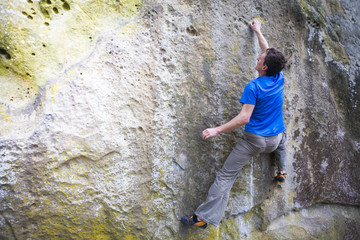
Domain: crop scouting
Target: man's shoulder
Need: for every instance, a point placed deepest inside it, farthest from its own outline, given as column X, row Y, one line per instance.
column 252, row 84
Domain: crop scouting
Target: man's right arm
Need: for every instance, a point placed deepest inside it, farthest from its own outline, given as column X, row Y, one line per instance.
column 241, row 119
column 256, row 25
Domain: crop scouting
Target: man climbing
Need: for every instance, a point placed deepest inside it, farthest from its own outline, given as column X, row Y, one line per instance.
column 262, row 116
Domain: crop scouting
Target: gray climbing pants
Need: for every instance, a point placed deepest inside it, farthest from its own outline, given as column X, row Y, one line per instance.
column 212, row 210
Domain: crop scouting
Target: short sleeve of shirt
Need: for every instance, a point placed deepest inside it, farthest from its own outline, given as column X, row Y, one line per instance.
column 249, row 94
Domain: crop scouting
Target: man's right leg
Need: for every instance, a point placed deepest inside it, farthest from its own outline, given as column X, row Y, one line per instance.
column 280, row 159
column 213, row 209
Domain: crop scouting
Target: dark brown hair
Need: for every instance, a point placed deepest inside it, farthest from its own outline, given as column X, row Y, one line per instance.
column 275, row 61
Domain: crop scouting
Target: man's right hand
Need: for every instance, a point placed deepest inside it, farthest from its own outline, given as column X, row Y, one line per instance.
column 210, row 132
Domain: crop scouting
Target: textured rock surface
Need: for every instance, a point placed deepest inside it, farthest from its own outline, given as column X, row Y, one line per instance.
column 102, row 104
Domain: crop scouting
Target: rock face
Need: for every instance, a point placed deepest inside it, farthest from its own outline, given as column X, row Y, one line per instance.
column 102, row 104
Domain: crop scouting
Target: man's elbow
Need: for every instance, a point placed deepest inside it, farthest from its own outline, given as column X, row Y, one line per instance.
column 243, row 120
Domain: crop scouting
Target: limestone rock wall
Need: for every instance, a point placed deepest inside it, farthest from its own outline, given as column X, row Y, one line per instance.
column 102, row 104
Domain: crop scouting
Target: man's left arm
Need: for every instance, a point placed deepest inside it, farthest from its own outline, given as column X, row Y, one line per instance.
column 256, row 26
column 236, row 122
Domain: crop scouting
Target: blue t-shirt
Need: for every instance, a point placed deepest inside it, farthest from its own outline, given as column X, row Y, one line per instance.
column 266, row 93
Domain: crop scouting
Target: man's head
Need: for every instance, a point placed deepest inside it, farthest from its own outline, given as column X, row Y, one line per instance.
column 270, row 63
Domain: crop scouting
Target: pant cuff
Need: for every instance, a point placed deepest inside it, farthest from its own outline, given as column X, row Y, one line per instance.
column 206, row 220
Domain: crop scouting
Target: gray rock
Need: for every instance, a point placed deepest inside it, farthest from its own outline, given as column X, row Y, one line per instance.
column 103, row 103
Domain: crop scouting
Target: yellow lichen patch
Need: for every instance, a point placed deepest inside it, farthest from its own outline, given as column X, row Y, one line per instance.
column 128, row 29
column 53, row 90
column 310, row 168
column 291, row 196
column 39, row 41
column 129, row 237
column 5, row 120
column 260, row 18
column 232, row 66
column 79, row 228
column 236, row 47
column 4, row 115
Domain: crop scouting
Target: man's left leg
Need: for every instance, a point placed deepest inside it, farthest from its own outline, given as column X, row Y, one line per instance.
column 212, row 210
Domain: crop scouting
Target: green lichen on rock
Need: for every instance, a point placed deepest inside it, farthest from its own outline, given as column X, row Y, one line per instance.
column 315, row 12
column 322, row 15
column 230, row 229
column 75, row 209
column 335, row 50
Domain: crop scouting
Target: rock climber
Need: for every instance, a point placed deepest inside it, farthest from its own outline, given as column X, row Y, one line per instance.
column 262, row 116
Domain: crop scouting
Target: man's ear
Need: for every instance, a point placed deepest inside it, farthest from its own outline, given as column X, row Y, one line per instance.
column 265, row 68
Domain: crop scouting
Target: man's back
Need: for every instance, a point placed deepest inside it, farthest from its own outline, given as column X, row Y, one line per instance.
column 266, row 93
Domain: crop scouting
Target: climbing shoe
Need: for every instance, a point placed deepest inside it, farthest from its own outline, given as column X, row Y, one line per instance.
column 280, row 177
column 192, row 221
